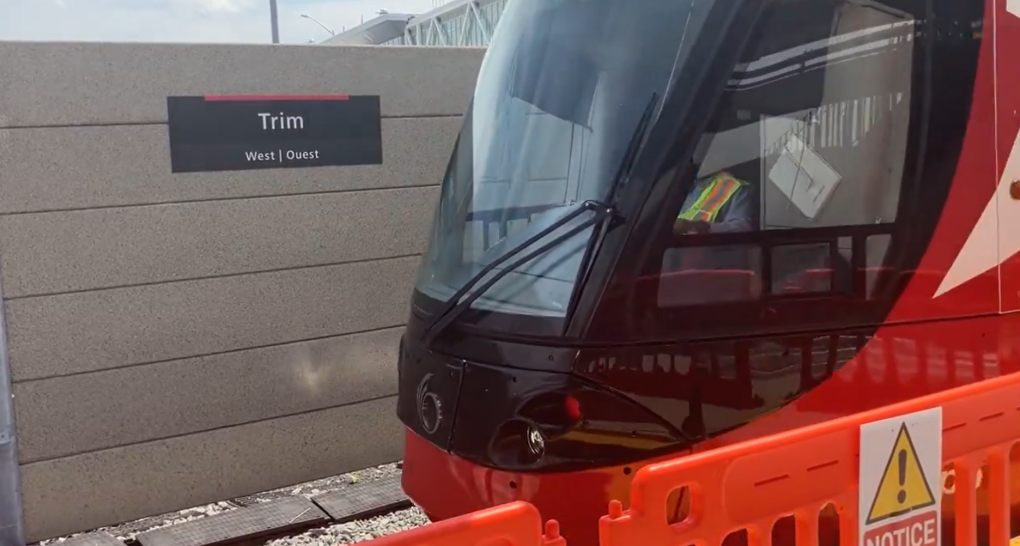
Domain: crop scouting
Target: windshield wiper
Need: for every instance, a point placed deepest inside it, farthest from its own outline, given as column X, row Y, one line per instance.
column 626, row 164
column 604, row 214
column 630, row 153
column 454, row 306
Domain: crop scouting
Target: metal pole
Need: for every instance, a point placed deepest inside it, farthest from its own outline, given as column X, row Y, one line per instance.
column 11, row 511
column 274, row 21
column 316, row 21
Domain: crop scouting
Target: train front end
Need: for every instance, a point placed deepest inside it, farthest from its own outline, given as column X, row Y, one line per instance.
column 575, row 315
column 565, row 98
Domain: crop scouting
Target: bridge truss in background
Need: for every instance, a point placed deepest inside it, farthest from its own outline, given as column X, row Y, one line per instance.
column 456, row 23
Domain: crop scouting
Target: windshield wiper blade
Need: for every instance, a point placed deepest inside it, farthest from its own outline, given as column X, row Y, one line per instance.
column 604, row 214
column 630, row 153
column 622, row 173
column 454, row 306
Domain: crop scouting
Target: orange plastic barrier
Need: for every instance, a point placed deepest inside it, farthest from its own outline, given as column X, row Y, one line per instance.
column 512, row 524
column 751, row 486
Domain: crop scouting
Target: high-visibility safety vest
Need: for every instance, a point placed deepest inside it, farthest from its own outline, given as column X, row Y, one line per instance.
column 718, row 192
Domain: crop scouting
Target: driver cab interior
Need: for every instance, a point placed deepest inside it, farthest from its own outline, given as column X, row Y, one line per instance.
column 814, row 126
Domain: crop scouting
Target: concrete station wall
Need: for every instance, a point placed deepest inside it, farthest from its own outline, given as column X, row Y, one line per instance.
column 178, row 339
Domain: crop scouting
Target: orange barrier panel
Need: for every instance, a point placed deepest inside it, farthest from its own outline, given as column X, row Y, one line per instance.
column 513, row 524
column 752, row 485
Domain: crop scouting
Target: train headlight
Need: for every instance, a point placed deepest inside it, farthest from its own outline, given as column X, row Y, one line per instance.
column 536, row 442
column 540, row 422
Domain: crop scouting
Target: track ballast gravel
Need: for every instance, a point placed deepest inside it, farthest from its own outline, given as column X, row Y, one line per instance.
column 333, row 535
column 356, row 531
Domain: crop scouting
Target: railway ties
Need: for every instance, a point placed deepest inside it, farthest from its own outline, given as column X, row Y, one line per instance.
column 292, row 519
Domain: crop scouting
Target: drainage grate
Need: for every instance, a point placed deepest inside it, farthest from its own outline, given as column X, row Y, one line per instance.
column 98, row 538
column 248, row 522
column 363, row 499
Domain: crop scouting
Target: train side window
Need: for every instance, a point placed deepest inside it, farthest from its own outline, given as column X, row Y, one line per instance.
column 801, row 268
column 815, row 121
column 704, row 275
column 876, row 247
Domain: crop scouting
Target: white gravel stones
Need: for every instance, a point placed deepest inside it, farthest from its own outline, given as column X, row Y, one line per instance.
column 356, row 531
column 325, row 485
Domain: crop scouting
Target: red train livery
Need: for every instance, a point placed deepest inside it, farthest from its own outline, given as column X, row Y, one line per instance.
column 672, row 225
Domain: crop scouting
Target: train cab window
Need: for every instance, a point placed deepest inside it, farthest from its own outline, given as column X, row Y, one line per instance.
column 801, row 170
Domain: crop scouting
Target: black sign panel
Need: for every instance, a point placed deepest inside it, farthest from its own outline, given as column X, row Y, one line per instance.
column 230, row 133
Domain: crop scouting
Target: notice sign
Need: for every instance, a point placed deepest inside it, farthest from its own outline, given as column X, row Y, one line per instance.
column 901, row 460
column 230, row 133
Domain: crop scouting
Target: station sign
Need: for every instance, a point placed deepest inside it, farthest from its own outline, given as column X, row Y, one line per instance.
column 242, row 132
column 900, row 501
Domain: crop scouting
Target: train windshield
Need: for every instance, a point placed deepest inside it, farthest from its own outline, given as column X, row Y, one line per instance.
column 560, row 93
column 822, row 160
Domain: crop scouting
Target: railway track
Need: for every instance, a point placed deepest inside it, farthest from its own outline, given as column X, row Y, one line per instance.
column 330, row 512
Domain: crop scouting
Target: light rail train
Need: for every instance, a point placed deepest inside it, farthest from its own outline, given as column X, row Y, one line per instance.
column 672, row 225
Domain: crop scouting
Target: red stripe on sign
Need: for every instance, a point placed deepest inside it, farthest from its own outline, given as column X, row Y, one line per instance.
column 210, row 98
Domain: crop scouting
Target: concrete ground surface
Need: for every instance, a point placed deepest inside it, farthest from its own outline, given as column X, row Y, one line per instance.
column 332, row 535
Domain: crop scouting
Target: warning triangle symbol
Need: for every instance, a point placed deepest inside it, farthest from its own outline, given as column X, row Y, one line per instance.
column 903, row 487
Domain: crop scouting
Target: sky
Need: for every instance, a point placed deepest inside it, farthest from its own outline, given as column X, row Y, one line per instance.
column 218, row 21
